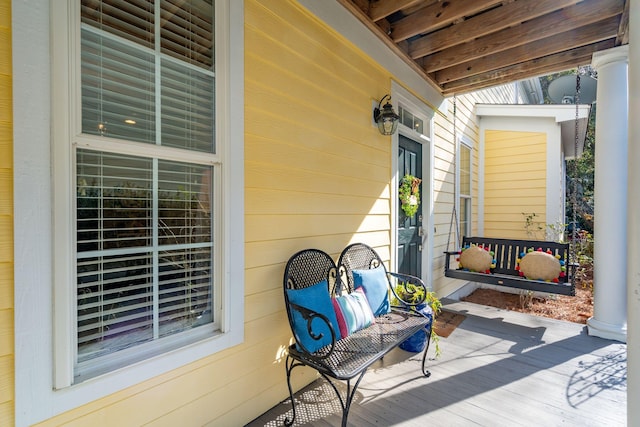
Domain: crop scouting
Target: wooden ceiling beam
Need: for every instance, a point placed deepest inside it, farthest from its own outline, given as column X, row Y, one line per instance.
column 584, row 36
column 515, row 52
column 362, row 17
column 461, row 86
column 380, row 9
column 481, row 25
column 536, row 67
column 563, row 21
column 437, row 15
column 623, row 31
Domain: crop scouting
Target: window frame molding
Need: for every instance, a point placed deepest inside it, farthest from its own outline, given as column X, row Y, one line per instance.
column 42, row 306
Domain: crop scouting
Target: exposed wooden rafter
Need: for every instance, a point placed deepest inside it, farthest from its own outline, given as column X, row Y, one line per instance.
column 460, row 45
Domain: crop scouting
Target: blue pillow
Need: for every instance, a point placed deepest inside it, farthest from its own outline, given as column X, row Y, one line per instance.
column 353, row 312
column 376, row 287
column 314, row 298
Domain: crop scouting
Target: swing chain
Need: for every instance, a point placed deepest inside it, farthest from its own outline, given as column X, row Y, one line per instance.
column 454, row 216
column 574, row 178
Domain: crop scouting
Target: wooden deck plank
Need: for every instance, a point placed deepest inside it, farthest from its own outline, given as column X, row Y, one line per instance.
column 498, row 368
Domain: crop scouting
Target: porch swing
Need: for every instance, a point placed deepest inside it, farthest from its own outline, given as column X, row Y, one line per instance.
column 504, row 257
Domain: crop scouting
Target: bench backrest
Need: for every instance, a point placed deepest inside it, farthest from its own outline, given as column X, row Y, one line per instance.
column 308, row 267
column 356, row 256
column 507, row 251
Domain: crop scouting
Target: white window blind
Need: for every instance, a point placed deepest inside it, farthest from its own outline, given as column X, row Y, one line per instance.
column 145, row 247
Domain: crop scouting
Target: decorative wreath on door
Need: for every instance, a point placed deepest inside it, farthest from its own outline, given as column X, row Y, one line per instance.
column 409, row 193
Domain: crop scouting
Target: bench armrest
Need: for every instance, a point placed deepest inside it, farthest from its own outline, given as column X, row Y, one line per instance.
column 447, row 258
column 312, row 317
column 409, row 285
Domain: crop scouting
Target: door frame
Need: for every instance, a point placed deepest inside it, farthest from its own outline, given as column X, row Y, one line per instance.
column 401, row 96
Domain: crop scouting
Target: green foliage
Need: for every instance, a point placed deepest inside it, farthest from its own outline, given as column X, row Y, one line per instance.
column 580, row 181
column 580, row 172
column 556, row 232
column 416, row 295
column 531, row 226
column 409, row 194
column 583, row 249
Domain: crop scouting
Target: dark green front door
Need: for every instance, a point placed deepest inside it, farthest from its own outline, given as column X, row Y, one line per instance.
column 409, row 228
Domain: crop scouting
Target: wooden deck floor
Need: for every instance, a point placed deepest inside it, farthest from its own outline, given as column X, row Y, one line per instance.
column 498, row 368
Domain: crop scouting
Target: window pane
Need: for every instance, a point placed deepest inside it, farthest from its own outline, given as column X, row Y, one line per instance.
column 118, row 89
column 131, row 20
column 465, row 216
column 406, row 118
column 185, row 289
column 114, row 201
column 465, row 170
column 183, row 203
column 187, row 107
column 418, row 125
column 115, row 303
column 187, row 31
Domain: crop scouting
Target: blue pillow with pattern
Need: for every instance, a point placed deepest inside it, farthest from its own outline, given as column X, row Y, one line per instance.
column 315, row 298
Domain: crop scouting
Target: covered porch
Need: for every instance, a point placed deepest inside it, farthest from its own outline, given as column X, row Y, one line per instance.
column 497, row 368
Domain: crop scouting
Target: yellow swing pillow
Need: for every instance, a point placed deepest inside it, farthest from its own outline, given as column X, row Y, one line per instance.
column 540, row 265
column 477, row 259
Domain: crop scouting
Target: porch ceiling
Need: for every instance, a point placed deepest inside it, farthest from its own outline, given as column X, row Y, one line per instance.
column 461, row 45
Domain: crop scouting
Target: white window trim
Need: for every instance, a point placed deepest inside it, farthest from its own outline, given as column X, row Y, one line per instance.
column 464, row 140
column 37, row 92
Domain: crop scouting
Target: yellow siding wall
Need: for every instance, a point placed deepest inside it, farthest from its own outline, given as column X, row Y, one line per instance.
column 444, row 180
column 6, row 220
column 515, row 183
column 316, row 175
column 316, row 171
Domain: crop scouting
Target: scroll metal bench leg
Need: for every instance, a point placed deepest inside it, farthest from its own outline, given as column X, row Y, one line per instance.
column 289, row 365
column 351, row 392
column 425, row 372
column 345, row 403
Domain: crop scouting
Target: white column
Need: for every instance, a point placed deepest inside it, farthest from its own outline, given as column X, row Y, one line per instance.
column 633, row 220
column 610, row 196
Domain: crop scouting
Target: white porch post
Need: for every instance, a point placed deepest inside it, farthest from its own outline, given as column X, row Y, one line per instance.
column 633, row 220
column 610, row 196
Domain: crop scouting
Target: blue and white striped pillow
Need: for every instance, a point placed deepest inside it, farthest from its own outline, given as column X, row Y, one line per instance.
column 352, row 312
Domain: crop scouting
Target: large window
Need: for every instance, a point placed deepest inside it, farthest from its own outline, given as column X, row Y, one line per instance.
column 464, row 187
column 147, row 183
column 129, row 153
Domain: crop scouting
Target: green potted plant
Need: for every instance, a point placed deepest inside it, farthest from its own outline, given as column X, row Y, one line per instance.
column 412, row 294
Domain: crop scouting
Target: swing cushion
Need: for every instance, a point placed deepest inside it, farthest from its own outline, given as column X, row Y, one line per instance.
column 475, row 258
column 538, row 265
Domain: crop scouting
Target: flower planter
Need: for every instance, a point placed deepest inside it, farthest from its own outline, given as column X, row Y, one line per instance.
column 416, row 342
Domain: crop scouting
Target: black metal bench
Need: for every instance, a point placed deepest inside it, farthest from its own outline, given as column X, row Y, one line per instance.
column 506, row 253
column 348, row 358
